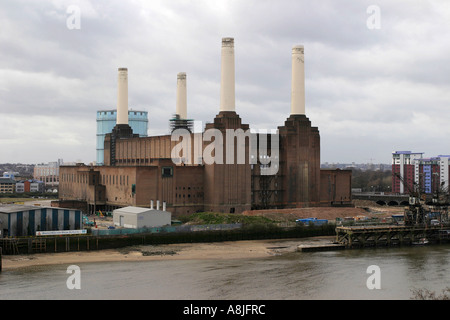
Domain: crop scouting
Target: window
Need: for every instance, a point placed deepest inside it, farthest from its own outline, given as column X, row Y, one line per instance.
column 167, row 172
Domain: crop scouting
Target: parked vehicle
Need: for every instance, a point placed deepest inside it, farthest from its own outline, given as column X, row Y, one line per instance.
column 434, row 222
column 311, row 221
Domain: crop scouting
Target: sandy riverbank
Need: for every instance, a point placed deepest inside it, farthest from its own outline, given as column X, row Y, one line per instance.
column 188, row 251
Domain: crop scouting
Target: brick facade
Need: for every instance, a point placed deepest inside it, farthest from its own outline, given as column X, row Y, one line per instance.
column 142, row 170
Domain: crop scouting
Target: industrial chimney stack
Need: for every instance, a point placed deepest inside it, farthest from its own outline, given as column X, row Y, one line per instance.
column 122, row 96
column 180, row 120
column 227, row 89
column 181, row 109
column 298, row 81
column 122, row 129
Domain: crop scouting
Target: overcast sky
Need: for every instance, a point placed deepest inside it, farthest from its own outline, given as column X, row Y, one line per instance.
column 377, row 72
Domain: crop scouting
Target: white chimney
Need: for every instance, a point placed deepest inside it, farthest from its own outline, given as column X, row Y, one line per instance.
column 181, row 96
column 227, row 89
column 298, row 80
column 122, row 96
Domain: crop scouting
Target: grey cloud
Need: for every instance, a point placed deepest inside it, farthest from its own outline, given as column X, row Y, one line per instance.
column 355, row 77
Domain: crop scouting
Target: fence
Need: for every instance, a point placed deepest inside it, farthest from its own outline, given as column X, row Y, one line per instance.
column 117, row 238
column 168, row 229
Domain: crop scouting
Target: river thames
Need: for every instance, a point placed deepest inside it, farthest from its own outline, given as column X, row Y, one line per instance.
column 340, row 275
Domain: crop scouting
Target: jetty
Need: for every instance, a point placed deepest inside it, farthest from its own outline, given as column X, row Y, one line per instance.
column 390, row 235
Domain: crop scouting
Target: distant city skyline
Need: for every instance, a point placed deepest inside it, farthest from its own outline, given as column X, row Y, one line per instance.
column 376, row 75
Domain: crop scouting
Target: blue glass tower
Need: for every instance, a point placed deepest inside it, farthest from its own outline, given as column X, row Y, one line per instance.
column 106, row 121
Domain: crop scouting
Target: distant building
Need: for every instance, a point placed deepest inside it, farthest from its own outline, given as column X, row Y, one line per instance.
column 7, row 185
column 405, row 164
column 48, row 173
column 106, row 121
column 11, row 174
column 429, row 174
column 30, row 186
column 22, row 187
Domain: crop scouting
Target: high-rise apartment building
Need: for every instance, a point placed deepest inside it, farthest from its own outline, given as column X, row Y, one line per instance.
column 428, row 174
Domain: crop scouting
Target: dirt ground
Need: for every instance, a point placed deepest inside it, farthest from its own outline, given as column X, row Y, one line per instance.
column 362, row 208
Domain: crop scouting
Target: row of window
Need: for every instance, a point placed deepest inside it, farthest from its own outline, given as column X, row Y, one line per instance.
column 78, row 178
column 105, row 179
column 133, row 161
column 114, row 179
column 47, row 179
column 188, row 188
column 135, row 113
column 179, row 195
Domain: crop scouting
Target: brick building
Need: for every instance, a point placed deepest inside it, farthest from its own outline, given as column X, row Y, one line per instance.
column 263, row 170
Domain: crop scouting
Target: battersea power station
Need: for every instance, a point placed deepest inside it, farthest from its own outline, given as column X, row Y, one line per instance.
column 225, row 167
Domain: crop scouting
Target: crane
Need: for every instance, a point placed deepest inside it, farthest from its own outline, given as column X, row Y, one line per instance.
column 441, row 201
column 419, row 211
column 415, row 213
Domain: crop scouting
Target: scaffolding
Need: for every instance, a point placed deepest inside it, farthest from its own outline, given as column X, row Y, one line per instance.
column 177, row 123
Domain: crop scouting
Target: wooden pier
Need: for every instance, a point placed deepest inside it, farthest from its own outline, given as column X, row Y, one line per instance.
column 390, row 235
column 30, row 245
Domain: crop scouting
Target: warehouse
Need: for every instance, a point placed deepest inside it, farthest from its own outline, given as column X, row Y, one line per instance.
column 136, row 218
column 25, row 220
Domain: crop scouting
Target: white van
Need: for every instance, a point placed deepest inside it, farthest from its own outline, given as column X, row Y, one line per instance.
column 434, row 222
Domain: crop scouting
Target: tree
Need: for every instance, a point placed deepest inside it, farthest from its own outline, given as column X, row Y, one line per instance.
column 372, row 180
